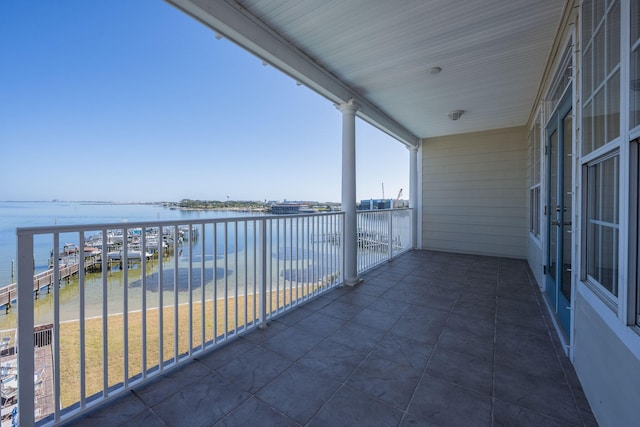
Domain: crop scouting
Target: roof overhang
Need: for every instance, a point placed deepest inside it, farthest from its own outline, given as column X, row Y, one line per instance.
column 493, row 54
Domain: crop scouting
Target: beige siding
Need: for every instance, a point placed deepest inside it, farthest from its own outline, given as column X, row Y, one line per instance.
column 474, row 193
column 608, row 370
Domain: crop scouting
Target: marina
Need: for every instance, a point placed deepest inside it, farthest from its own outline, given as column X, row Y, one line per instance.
column 71, row 259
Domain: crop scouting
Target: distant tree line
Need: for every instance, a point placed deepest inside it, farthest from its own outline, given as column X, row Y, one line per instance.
column 217, row 204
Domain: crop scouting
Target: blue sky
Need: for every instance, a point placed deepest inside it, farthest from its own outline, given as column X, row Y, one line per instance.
column 136, row 101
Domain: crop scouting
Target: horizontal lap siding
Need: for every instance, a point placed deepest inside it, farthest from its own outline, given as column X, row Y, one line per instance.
column 474, row 194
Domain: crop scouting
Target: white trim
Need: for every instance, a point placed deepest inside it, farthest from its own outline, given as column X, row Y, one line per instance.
column 602, row 151
column 623, row 220
column 537, row 121
column 578, row 179
column 547, row 113
column 535, row 241
column 566, row 347
column 420, row 196
column 576, row 211
column 633, row 305
column 537, row 238
column 612, row 301
column 568, row 41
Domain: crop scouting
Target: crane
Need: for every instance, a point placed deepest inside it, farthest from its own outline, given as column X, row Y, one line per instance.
column 396, row 202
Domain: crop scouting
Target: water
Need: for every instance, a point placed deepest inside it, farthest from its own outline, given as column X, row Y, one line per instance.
column 290, row 256
column 31, row 214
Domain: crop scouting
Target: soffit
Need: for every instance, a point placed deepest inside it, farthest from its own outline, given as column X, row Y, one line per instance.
column 492, row 54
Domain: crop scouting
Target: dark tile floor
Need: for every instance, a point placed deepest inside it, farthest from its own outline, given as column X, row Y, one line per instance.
column 430, row 339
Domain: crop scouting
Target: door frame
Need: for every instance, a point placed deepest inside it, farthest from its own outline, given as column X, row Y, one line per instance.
column 556, row 222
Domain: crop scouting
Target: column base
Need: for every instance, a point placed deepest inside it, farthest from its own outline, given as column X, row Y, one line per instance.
column 353, row 281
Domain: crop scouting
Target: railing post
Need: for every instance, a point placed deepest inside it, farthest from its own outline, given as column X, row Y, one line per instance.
column 390, row 234
column 25, row 345
column 262, row 267
column 413, row 194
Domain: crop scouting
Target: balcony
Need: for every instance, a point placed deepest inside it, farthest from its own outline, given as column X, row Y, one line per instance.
column 122, row 304
column 428, row 339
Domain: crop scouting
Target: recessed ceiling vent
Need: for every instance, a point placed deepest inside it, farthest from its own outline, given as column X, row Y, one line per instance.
column 455, row 114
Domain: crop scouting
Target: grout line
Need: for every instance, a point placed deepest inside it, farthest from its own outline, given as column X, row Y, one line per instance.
column 495, row 346
column 435, row 346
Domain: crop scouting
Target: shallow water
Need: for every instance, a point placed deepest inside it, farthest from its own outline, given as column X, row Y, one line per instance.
column 234, row 275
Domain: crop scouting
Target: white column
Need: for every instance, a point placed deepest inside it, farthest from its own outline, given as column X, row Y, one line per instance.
column 413, row 194
column 348, row 110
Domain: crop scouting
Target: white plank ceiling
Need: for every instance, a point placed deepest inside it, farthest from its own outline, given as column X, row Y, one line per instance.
column 492, row 53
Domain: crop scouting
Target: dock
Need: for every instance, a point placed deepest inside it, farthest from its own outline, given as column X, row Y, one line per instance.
column 69, row 267
column 44, row 280
column 370, row 240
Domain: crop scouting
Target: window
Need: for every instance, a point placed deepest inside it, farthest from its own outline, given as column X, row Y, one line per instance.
column 601, row 36
column 600, row 73
column 534, row 179
column 634, row 72
column 534, row 214
column 602, row 222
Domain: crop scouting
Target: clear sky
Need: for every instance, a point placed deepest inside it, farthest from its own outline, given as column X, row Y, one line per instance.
column 127, row 100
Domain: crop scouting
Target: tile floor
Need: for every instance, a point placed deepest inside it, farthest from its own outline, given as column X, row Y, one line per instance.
column 430, row 339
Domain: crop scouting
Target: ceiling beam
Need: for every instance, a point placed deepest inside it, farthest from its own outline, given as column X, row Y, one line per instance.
column 228, row 19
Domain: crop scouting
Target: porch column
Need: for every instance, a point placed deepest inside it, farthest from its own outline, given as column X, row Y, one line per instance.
column 413, row 194
column 348, row 110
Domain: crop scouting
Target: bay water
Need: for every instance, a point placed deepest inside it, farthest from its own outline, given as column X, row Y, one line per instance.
column 14, row 215
column 32, row 214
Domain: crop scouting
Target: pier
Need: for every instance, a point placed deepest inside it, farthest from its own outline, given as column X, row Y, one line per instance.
column 45, row 279
column 377, row 241
column 69, row 257
column 69, row 268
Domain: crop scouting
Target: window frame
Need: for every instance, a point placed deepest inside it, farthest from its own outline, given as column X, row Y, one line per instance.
column 534, row 211
column 598, row 81
column 606, row 295
column 634, row 80
column 634, row 230
column 535, row 178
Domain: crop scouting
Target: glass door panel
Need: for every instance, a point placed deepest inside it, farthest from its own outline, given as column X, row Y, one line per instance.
column 552, row 202
column 564, row 223
column 567, row 208
column 560, row 209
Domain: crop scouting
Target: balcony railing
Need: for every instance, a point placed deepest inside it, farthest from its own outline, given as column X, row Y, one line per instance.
column 382, row 235
column 149, row 296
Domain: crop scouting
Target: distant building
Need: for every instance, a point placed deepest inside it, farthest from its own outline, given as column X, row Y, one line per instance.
column 291, row 208
column 374, row 204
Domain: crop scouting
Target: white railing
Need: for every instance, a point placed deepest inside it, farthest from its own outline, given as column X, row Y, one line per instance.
column 150, row 296
column 382, row 235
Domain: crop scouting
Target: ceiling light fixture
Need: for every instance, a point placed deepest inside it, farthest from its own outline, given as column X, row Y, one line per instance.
column 455, row 114
column 434, row 70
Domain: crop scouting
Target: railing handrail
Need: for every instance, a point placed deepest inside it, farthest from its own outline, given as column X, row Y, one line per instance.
column 35, row 230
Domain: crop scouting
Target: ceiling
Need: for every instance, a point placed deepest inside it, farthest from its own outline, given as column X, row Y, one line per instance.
column 492, row 54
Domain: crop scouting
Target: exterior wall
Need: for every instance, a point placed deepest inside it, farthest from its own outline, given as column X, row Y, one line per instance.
column 535, row 259
column 474, row 195
column 608, row 370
